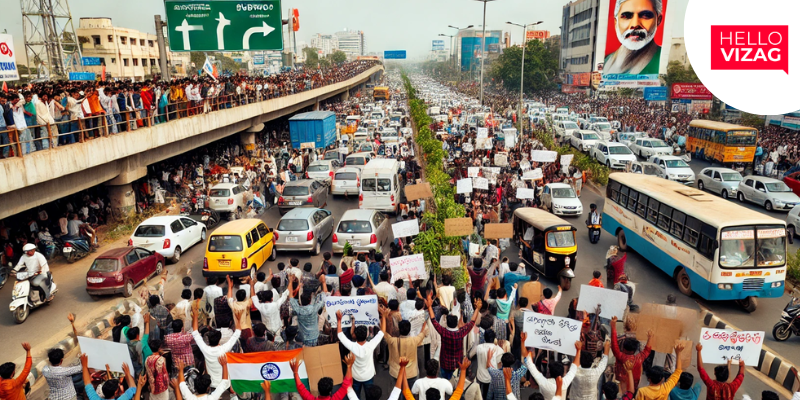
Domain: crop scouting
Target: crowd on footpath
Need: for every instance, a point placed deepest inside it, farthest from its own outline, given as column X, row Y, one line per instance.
column 72, row 111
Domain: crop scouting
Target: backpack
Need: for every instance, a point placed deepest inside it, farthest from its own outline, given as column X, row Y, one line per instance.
column 223, row 315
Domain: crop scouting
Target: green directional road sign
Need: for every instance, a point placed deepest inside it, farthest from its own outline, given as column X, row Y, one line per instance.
column 224, row 25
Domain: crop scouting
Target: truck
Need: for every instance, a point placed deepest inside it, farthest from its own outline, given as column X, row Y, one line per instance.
column 313, row 130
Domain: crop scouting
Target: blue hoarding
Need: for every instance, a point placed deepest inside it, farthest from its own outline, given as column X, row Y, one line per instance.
column 82, row 76
column 655, row 93
column 258, row 60
column 394, row 55
column 438, row 45
column 91, row 61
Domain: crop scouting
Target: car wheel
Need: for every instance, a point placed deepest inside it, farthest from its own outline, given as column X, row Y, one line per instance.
column 274, row 254
column 203, row 235
column 740, row 196
column 127, row 291
column 700, row 185
column 724, row 194
column 608, row 164
column 177, row 256
column 159, row 268
column 768, row 205
column 683, row 281
column 317, row 248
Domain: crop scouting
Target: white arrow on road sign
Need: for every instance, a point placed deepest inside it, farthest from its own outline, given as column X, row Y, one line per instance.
column 220, row 28
column 265, row 29
column 185, row 28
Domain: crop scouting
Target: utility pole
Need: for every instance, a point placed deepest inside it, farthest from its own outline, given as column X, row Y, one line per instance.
column 522, row 71
column 162, row 49
column 483, row 44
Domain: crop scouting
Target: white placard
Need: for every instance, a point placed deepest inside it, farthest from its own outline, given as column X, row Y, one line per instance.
column 480, row 183
column 9, row 62
column 543, row 156
column 566, row 159
column 467, row 148
column 533, row 174
column 464, row 186
column 483, row 133
column 102, row 352
column 501, row 159
column 525, row 165
column 450, row 261
column 409, row 267
column 523, row 193
column 719, row 345
column 474, row 250
column 484, row 143
column 405, row 228
column 472, row 172
column 363, row 308
column 612, row 302
column 551, row 333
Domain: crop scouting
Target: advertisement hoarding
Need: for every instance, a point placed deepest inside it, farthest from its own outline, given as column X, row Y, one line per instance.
column 258, row 59
column 693, row 91
column 8, row 63
column 572, row 89
column 628, row 62
column 90, row 61
column 540, row 35
column 582, row 79
column 438, row 45
column 657, row 93
column 82, row 76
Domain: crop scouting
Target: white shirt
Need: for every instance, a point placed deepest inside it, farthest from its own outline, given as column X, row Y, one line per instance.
column 482, row 351
column 212, row 355
column 395, row 395
column 215, row 395
column 548, row 386
column 364, row 366
column 386, row 290
column 212, row 292
column 586, row 381
column 422, row 385
column 35, row 263
column 406, row 308
column 271, row 312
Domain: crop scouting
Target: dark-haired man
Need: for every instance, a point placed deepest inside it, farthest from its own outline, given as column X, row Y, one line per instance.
column 59, row 378
column 214, row 351
column 548, row 386
column 659, row 388
column 628, row 352
column 719, row 389
column 12, row 388
column 325, row 385
column 307, row 310
column 204, row 382
column 402, row 346
column 112, row 389
column 452, row 337
column 364, row 367
column 588, row 374
column 497, row 388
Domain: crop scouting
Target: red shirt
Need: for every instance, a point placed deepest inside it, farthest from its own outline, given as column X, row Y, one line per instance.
column 339, row 395
column 720, row 390
column 619, row 368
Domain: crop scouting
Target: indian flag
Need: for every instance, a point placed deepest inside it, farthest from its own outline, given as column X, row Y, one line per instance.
column 247, row 371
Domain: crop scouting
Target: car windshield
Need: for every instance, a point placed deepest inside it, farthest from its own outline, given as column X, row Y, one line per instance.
column 618, row 150
column 149, row 231
column 345, row 176
column 561, row 239
column 104, row 265
column 295, row 191
column 590, row 136
column 293, row 225
column 676, row 164
column 355, row 161
column 220, row 192
column 331, row 155
column 777, row 187
column 604, row 126
column 659, row 143
column 223, row 243
column 354, row 227
column 731, row 177
column 570, row 125
column 563, row 193
column 318, row 168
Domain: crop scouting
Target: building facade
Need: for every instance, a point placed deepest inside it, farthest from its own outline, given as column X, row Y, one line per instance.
column 325, row 43
column 351, row 42
column 579, row 30
column 469, row 47
column 677, row 52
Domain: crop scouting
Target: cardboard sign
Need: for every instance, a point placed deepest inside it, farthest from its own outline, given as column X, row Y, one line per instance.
column 686, row 354
column 543, row 156
column 523, row 193
column 450, row 261
column 566, row 159
column 406, row 228
column 483, row 133
column 409, row 267
column 418, row 191
column 531, row 291
column 533, row 175
column 719, row 345
column 458, row 227
column 687, row 317
column 552, row 333
column 483, row 143
column 102, row 352
column 666, row 331
column 498, row 231
column 501, row 159
column 612, row 302
column 472, row 172
column 321, row 362
column 480, row 183
column 464, row 186
column 363, row 308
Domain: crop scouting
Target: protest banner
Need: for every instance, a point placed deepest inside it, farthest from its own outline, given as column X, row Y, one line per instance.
column 523, row 193
column 552, row 333
column 363, row 308
column 719, row 345
column 483, row 133
column 418, row 191
column 480, row 183
column 102, row 352
column 498, row 231
column 483, row 143
column 531, row 291
column 409, row 267
column 464, row 186
column 566, row 159
column 533, row 175
column 543, row 156
column 458, row 227
column 665, row 330
column 467, row 148
column 612, row 302
column 490, row 172
column 501, row 159
column 472, row 172
column 320, row 362
column 450, row 261
column 405, row 228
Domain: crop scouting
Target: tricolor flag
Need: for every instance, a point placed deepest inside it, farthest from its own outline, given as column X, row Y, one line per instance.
column 209, row 69
column 247, row 371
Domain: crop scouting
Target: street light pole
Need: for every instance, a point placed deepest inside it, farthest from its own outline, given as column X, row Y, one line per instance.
column 522, row 68
column 483, row 44
column 451, row 46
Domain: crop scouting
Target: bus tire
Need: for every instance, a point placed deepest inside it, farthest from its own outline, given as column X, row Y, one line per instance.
column 749, row 303
column 622, row 241
column 683, row 282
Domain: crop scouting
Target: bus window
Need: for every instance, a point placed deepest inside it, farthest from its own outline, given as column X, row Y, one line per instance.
column 664, row 217
column 737, row 248
column 678, row 219
column 641, row 208
column 623, row 196
column 652, row 211
column 633, row 196
column 613, row 190
column 708, row 236
column 771, row 246
column 691, row 234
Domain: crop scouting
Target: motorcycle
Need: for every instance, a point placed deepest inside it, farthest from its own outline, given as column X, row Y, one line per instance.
column 790, row 319
column 23, row 299
column 75, row 249
column 209, row 217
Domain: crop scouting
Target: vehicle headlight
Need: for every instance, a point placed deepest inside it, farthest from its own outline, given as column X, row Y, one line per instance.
column 673, row 176
column 777, row 202
column 725, row 286
column 776, row 284
column 734, row 189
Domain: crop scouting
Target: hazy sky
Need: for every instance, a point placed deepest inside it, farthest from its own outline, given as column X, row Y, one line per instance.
column 387, row 25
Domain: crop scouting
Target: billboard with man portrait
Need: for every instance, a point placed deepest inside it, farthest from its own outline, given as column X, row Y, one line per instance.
column 634, row 40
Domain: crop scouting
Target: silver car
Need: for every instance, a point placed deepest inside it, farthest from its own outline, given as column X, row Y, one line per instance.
column 364, row 229
column 724, row 181
column 773, row 194
column 303, row 193
column 346, row 181
column 303, row 229
column 322, row 170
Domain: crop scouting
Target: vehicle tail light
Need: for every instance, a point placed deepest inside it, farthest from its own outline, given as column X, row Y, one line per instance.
column 230, row 202
column 330, row 174
column 361, row 197
column 310, row 199
column 244, row 263
column 130, row 242
column 205, row 263
column 335, row 238
column 373, row 239
column 358, row 182
column 276, row 235
column 118, row 277
column 280, row 200
column 68, row 244
column 392, row 198
column 310, row 236
column 166, row 243
column 307, row 175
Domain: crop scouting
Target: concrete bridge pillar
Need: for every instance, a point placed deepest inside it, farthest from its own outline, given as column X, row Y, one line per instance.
column 316, row 105
column 346, row 95
column 123, row 200
column 248, row 140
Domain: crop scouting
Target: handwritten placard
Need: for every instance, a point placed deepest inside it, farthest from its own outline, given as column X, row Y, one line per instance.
column 467, row 148
column 473, row 172
column 363, row 308
column 450, row 261
column 501, row 159
column 483, row 133
column 551, row 333
column 533, row 175
column 464, row 186
column 474, row 250
column 523, row 193
column 409, row 267
column 566, row 159
column 612, row 302
column 406, row 228
column 484, row 143
column 458, row 227
column 543, row 156
column 720, row 345
column 480, row 183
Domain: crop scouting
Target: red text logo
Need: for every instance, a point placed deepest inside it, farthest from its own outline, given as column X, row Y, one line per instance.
column 750, row 47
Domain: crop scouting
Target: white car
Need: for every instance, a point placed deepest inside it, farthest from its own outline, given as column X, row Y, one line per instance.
column 169, row 236
column 603, row 129
column 793, row 222
column 560, row 199
column 583, row 140
column 628, row 138
column 227, row 198
column 724, row 181
column 646, row 148
column 674, row 168
column 565, row 129
column 346, row 181
column 322, row 170
column 773, row 194
column 612, row 154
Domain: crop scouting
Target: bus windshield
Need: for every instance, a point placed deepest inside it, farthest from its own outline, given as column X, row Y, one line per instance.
column 561, row 239
column 739, row 247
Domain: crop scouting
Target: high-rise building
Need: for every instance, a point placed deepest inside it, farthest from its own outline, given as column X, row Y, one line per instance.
column 469, row 47
column 351, row 42
column 579, row 26
column 325, row 43
column 677, row 52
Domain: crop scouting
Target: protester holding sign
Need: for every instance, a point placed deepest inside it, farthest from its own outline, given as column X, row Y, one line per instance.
column 659, row 388
column 586, row 378
column 452, row 345
column 628, row 353
column 719, row 389
column 547, row 386
column 363, row 370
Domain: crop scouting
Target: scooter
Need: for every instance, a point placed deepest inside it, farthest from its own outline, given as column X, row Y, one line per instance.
column 209, row 217
column 75, row 249
column 23, row 299
column 790, row 320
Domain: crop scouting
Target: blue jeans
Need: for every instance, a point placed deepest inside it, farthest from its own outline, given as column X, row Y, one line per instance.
column 446, row 373
column 358, row 385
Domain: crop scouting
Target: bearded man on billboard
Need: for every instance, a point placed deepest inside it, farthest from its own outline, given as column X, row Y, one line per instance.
column 636, row 23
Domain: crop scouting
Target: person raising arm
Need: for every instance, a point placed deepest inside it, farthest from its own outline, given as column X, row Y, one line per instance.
column 324, row 393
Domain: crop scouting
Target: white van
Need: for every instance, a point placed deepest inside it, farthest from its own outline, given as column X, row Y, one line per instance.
column 380, row 186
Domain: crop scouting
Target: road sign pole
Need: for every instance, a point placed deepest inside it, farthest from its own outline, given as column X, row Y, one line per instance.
column 162, row 49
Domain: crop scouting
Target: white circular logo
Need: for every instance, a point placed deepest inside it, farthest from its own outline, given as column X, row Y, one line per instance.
column 745, row 52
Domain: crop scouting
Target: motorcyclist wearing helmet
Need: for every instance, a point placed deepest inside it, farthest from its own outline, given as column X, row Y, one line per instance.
column 37, row 265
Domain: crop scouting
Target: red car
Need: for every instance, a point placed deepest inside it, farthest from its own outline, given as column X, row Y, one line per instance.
column 793, row 182
column 120, row 270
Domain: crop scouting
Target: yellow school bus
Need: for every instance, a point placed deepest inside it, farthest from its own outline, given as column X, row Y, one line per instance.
column 722, row 142
column 381, row 93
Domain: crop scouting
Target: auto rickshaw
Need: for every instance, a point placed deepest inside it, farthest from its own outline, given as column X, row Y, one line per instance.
column 547, row 243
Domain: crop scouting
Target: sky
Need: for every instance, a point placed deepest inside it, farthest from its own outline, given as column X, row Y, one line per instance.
column 388, row 25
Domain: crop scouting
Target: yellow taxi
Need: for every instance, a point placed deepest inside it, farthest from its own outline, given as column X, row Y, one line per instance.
column 239, row 248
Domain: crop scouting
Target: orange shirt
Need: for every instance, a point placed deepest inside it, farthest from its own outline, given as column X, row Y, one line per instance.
column 12, row 389
column 596, row 283
column 94, row 103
